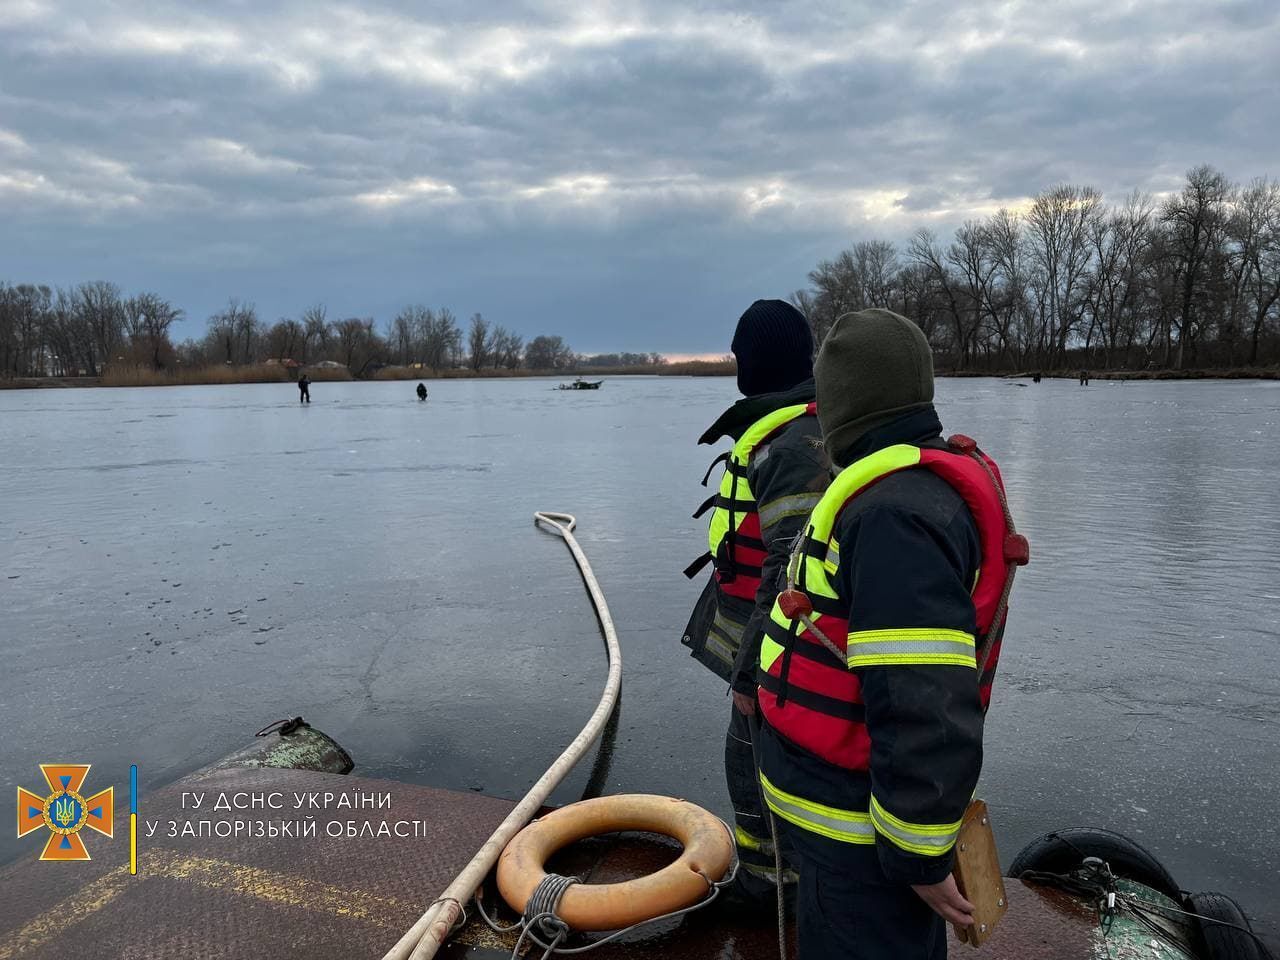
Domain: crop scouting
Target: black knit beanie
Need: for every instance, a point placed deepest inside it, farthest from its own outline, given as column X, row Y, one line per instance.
column 774, row 347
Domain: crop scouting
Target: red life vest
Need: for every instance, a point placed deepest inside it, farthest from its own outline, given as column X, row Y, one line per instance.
column 734, row 537
column 812, row 696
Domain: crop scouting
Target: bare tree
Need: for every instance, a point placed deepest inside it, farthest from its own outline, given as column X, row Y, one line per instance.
column 101, row 311
column 221, row 337
column 1254, row 232
column 923, row 252
column 315, row 331
column 149, row 317
column 236, row 331
column 972, row 257
column 505, row 348
column 441, row 338
column 284, row 339
column 1196, row 219
column 358, row 344
column 1013, row 321
column 401, row 336
column 549, row 353
column 860, row 277
column 1059, row 224
column 1120, row 241
column 24, row 317
column 478, row 343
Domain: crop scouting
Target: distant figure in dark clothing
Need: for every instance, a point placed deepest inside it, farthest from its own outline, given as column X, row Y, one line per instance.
column 422, row 391
column 304, row 391
column 1084, row 378
column 1035, row 377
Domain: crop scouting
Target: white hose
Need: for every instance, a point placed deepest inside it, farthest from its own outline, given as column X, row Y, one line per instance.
column 425, row 937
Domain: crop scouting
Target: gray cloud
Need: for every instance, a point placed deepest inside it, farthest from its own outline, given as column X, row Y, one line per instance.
column 629, row 175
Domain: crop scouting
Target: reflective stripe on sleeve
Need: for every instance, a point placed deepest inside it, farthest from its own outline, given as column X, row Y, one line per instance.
column 748, row 842
column 908, row 645
column 720, row 650
column 730, row 629
column 797, row 505
column 770, row 875
column 849, row 826
column 724, row 636
column 926, row 839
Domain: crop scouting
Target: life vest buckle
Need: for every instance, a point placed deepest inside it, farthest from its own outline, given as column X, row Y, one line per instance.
column 1017, row 549
column 959, row 443
column 794, row 603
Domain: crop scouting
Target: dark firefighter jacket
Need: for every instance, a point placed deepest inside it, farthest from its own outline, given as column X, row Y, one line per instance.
column 909, row 552
column 787, row 475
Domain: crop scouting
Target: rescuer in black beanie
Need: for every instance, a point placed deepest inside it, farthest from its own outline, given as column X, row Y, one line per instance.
column 775, row 475
column 774, row 348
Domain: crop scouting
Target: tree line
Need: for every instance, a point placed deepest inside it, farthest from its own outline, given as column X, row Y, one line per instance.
column 86, row 329
column 1190, row 280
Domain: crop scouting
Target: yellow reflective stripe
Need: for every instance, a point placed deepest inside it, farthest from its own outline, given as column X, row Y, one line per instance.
column 770, row 422
column 769, row 874
column 927, row 839
column 818, row 572
column 718, row 529
column 770, row 651
column 748, row 842
column 742, row 450
column 849, row 826
column 721, row 650
column 795, row 505
column 911, row 645
column 856, row 476
column 732, row 629
column 817, row 581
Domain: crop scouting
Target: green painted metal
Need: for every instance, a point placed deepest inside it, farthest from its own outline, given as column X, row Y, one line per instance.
column 292, row 747
column 1129, row 938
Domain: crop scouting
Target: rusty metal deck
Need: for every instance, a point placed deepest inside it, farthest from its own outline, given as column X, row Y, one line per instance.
column 322, row 897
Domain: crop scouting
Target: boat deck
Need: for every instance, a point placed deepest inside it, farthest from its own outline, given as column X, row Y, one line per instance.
column 322, row 897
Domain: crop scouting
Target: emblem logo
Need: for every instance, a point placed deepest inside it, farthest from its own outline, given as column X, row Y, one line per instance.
column 65, row 811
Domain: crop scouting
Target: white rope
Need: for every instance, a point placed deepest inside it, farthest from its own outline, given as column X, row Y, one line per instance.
column 425, row 937
column 559, row 929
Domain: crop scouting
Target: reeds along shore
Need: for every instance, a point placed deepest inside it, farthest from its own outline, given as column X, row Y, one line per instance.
column 251, row 373
column 692, row 368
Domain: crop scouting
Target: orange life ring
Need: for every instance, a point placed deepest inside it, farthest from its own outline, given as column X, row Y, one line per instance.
column 708, row 851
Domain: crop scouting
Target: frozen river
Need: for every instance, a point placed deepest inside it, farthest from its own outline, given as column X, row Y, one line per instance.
column 181, row 566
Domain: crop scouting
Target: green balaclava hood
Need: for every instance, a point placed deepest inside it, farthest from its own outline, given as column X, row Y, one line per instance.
column 874, row 366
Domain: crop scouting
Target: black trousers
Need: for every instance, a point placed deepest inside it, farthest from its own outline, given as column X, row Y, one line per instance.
column 854, row 913
column 757, row 871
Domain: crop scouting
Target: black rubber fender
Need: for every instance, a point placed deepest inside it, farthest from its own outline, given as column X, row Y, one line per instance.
column 1224, row 930
column 1063, row 851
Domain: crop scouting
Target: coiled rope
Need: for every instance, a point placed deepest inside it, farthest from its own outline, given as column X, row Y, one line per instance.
column 540, row 913
column 425, row 937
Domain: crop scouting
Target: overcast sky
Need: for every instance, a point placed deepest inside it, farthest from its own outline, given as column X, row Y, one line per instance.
column 628, row 175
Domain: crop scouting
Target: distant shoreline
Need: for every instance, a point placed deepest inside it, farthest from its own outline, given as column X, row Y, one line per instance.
column 1230, row 373
column 690, row 369
column 270, row 373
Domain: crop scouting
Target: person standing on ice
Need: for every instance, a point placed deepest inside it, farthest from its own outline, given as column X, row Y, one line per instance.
column 876, row 666
column 304, row 389
column 773, row 477
column 422, row 391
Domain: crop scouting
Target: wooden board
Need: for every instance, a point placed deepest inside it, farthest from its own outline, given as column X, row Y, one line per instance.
column 977, row 873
